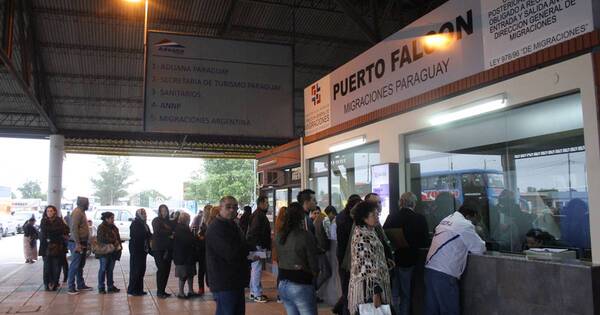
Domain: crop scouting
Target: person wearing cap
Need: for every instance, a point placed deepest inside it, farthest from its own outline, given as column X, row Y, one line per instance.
column 78, row 244
column 455, row 237
column 108, row 234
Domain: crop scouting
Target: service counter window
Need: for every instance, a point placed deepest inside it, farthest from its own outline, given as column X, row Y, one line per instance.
column 524, row 170
column 336, row 176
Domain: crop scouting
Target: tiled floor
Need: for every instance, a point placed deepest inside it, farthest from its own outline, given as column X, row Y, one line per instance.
column 22, row 292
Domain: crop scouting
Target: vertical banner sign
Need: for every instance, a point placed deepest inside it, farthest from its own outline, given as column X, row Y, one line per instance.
column 454, row 41
column 515, row 28
column 209, row 86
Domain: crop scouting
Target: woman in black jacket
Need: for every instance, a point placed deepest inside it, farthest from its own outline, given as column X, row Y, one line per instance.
column 139, row 247
column 108, row 234
column 162, row 249
column 184, row 255
column 52, row 246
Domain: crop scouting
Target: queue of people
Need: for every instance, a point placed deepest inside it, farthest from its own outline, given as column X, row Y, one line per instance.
column 375, row 262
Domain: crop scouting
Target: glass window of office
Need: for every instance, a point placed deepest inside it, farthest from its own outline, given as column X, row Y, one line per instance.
column 318, row 180
column 524, row 170
column 348, row 171
column 351, row 173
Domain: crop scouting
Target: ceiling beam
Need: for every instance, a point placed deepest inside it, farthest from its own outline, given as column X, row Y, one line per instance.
column 22, row 120
column 42, row 88
column 228, row 18
column 371, row 35
column 248, row 29
column 25, row 89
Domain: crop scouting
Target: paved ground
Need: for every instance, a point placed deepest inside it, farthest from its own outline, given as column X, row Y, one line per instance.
column 22, row 292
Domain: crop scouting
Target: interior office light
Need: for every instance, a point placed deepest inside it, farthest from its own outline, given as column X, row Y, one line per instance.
column 470, row 110
column 271, row 162
column 347, row 144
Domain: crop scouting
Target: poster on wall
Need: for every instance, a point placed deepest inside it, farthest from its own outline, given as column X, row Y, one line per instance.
column 515, row 28
column 317, row 105
column 458, row 39
column 385, row 183
column 210, row 86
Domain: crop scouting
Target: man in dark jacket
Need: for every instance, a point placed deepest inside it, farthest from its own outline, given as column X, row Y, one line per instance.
column 317, row 218
column 408, row 233
column 344, row 224
column 309, row 203
column 227, row 260
column 259, row 240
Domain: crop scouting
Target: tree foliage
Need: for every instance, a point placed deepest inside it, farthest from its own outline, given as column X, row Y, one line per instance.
column 31, row 190
column 112, row 182
column 221, row 177
column 147, row 195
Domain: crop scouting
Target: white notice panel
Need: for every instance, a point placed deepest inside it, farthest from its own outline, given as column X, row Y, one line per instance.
column 209, row 86
column 515, row 28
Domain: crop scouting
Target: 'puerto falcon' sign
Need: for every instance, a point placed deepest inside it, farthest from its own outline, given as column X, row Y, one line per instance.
column 458, row 39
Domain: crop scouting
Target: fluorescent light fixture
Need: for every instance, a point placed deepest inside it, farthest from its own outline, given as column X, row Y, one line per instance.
column 347, row 144
column 470, row 110
column 271, row 162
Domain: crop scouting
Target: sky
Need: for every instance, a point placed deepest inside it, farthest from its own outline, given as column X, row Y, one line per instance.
column 22, row 160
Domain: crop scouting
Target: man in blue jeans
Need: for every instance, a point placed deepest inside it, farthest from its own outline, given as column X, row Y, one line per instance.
column 455, row 237
column 408, row 232
column 78, row 246
column 259, row 239
column 227, row 260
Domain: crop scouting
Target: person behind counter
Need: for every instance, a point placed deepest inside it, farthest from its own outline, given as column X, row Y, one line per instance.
column 455, row 237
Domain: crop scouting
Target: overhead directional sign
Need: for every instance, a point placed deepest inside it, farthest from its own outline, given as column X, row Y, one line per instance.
column 209, row 86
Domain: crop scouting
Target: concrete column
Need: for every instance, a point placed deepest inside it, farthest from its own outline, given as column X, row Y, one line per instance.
column 57, row 151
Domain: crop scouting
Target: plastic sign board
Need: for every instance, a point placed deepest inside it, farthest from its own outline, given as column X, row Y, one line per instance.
column 454, row 41
column 384, row 182
column 210, row 86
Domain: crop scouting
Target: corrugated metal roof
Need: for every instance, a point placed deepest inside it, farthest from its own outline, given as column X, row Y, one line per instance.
column 92, row 50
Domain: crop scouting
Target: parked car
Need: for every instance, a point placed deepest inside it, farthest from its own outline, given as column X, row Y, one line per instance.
column 123, row 217
column 22, row 216
column 9, row 225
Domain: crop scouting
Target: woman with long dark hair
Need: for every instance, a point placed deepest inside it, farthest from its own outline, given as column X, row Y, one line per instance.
column 52, row 246
column 162, row 249
column 200, row 234
column 139, row 247
column 298, row 265
column 108, row 236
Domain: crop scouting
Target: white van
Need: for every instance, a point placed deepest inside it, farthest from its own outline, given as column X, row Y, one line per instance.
column 123, row 217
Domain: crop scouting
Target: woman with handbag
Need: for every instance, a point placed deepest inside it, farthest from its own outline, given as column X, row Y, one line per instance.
column 30, row 237
column 108, row 250
column 162, row 249
column 369, row 276
column 52, row 246
column 139, row 247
